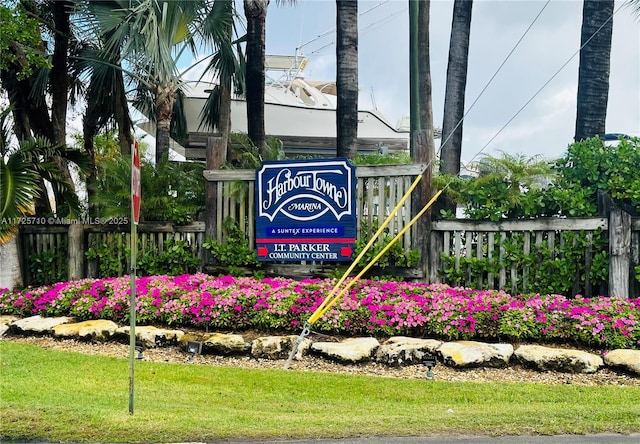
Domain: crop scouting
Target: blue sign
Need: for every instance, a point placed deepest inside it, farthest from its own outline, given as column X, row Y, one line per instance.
column 306, row 210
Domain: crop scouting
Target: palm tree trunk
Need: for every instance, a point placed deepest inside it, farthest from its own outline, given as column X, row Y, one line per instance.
column 60, row 91
column 224, row 124
column 593, row 72
column 59, row 70
column 347, row 78
column 256, row 13
column 451, row 150
column 164, row 96
column 121, row 111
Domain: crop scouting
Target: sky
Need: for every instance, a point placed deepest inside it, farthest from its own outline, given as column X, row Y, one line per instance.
column 544, row 127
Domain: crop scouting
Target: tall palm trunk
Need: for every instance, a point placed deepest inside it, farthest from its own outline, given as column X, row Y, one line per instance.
column 165, row 95
column 256, row 13
column 593, row 72
column 59, row 70
column 455, row 89
column 121, row 113
column 451, row 149
column 347, row 78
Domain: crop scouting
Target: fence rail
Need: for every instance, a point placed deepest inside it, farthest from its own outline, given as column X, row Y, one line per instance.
column 509, row 254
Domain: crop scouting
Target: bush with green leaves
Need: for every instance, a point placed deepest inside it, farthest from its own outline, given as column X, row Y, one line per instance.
column 48, row 267
column 175, row 258
column 235, row 250
column 112, row 257
column 109, row 255
column 171, row 191
column 591, row 166
column 515, row 186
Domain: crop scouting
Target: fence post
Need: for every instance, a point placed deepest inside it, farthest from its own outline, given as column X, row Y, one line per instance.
column 76, row 251
column 216, row 155
column 423, row 153
column 435, row 251
column 619, row 253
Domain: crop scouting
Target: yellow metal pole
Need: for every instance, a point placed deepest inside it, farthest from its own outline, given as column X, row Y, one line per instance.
column 328, row 300
column 319, row 312
column 371, row 241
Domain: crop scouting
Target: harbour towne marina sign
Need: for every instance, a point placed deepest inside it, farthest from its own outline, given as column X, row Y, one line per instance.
column 306, row 210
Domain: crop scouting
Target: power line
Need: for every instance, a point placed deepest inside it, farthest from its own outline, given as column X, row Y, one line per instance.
column 546, row 83
column 333, row 29
column 493, row 76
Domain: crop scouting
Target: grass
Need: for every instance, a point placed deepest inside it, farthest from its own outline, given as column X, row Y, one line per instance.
column 64, row 396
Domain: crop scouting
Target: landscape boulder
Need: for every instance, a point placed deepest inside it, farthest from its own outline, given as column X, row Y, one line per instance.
column 151, row 337
column 557, row 359
column 464, row 354
column 224, row 344
column 37, row 325
column 278, row 347
column 401, row 350
column 349, row 351
column 625, row 359
column 99, row 330
column 5, row 323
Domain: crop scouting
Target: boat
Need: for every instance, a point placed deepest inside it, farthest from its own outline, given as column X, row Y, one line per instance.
column 299, row 112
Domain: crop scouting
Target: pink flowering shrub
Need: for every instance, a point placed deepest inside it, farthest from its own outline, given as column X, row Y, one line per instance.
column 368, row 308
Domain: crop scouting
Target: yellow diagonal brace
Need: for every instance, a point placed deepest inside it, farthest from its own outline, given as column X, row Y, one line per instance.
column 371, row 241
column 318, row 313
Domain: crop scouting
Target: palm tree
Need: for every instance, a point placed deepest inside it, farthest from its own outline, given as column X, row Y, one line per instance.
column 424, row 150
column 218, row 33
column 347, row 78
column 100, row 59
column 593, row 71
column 424, row 72
column 255, row 12
column 451, row 148
column 450, row 151
column 152, row 34
column 521, row 173
column 40, row 99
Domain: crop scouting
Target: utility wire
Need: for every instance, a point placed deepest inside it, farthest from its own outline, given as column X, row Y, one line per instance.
column 493, row 77
column 362, row 31
column 546, row 83
column 333, row 29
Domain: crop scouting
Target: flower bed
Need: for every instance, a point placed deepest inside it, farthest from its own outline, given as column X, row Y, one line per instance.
column 370, row 307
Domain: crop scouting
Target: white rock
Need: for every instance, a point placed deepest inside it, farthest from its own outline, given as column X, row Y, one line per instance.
column 278, row 347
column 402, row 350
column 97, row 330
column 558, row 359
column 225, row 344
column 348, row 351
column 39, row 325
column 152, row 336
column 628, row 360
column 475, row 354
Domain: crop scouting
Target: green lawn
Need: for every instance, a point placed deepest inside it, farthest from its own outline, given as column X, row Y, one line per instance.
column 69, row 396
